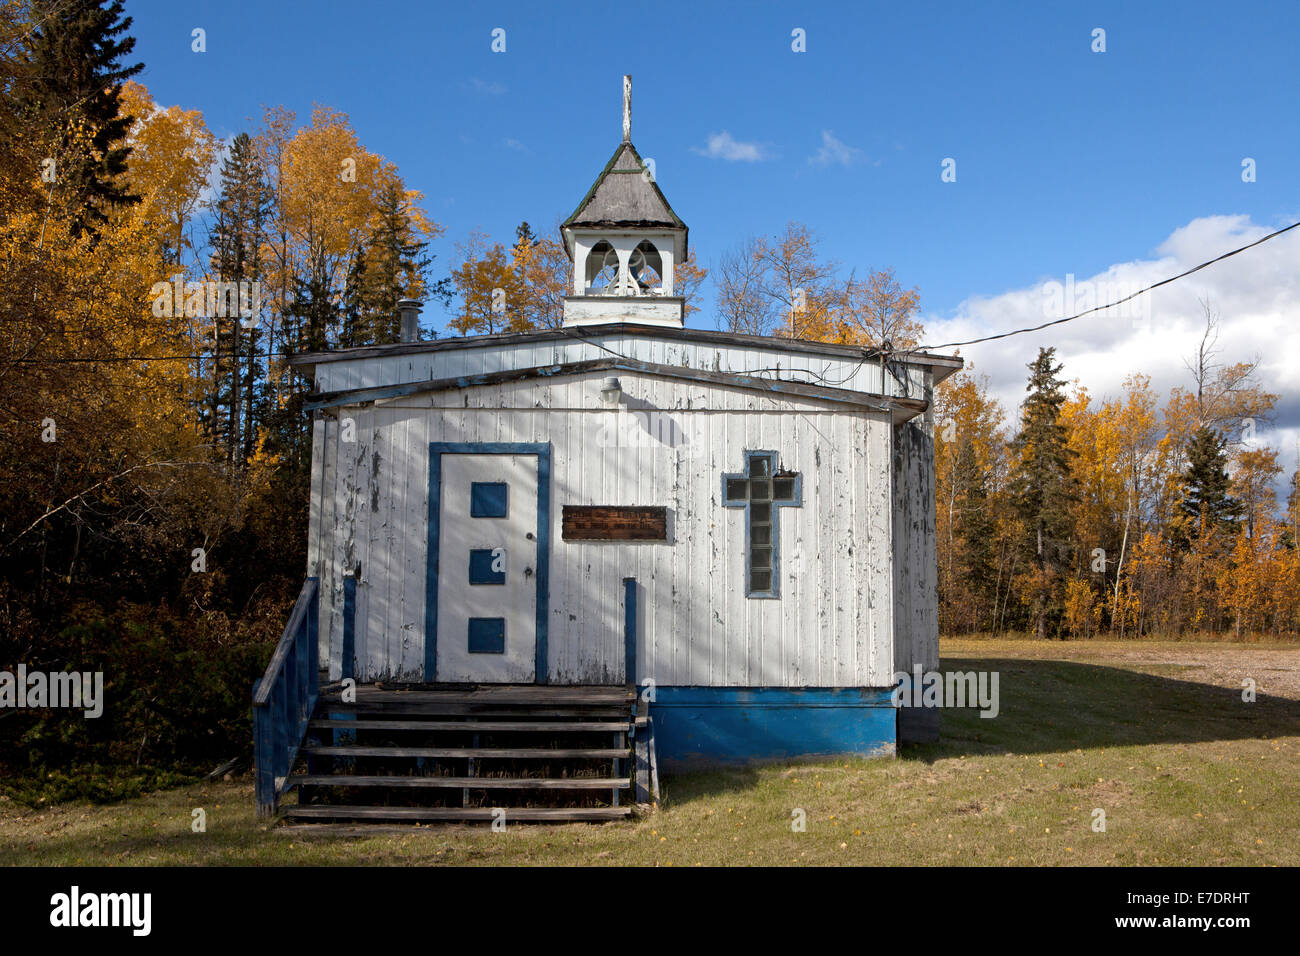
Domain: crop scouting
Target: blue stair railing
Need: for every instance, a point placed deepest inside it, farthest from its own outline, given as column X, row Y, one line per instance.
column 284, row 699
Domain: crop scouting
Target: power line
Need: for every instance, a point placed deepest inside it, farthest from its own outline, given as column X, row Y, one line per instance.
column 818, row 377
column 815, row 378
column 83, row 360
column 1109, row 305
column 867, row 353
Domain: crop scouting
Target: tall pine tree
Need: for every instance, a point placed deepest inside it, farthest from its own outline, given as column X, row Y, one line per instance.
column 390, row 266
column 1293, row 511
column 978, row 528
column 1206, row 504
column 1043, row 487
column 73, row 95
column 241, row 214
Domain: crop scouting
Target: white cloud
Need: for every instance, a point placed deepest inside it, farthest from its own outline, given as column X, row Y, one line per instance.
column 1256, row 295
column 725, row 146
column 212, row 185
column 516, row 145
column 492, row 88
column 834, row 152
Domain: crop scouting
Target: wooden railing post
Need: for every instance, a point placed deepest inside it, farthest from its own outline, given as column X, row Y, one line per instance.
column 284, row 699
column 313, row 634
column 263, row 775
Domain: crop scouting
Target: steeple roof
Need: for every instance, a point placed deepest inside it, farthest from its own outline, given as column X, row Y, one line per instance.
column 624, row 195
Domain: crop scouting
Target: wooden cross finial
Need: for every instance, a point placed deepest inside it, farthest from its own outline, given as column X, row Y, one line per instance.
column 627, row 107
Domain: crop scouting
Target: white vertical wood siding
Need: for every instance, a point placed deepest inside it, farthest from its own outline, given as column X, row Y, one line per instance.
column 916, row 586
column 833, row 625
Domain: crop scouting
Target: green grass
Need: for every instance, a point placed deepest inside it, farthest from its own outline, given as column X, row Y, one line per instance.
column 1186, row 772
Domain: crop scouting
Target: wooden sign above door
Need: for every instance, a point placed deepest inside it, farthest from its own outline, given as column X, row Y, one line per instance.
column 614, row 523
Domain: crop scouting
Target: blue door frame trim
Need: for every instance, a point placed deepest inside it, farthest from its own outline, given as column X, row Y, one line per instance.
column 543, row 452
column 629, row 630
column 349, row 661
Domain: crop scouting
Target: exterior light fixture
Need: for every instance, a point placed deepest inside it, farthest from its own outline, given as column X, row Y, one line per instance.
column 610, row 390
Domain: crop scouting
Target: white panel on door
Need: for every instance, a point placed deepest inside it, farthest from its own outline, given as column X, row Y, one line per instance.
column 487, row 569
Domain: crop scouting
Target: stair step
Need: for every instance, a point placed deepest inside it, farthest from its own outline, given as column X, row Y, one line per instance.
column 484, row 753
column 485, row 814
column 518, row 696
column 412, row 709
column 472, row 783
column 541, row 726
column 435, row 709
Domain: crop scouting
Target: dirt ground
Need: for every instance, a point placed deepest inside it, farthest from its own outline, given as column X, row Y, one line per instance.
column 1275, row 668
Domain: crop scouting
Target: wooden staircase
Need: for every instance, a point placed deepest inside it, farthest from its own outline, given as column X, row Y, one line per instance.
column 489, row 753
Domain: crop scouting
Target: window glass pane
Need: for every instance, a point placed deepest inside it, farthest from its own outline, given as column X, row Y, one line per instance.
column 487, row 635
column 736, row 488
column 487, row 566
column 487, row 499
column 758, row 467
column 760, row 513
column 760, row 580
column 758, row 490
column 760, row 558
column 760, row 534
column 783, row 489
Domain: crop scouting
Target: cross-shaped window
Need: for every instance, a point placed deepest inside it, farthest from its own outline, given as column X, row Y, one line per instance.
column 762, row 491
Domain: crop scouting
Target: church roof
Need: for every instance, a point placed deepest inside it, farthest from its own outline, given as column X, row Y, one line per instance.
column 902, row 408
column 940, row 365
column 622, row 196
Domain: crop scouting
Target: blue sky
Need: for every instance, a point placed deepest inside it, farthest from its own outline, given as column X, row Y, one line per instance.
column 1068, row 161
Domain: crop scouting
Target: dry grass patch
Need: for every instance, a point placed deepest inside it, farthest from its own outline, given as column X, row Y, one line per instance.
column 1155, row 735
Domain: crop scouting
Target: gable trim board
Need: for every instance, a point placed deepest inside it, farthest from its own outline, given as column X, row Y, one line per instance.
column 900, row 409
column 943, row 365
column 436, row 451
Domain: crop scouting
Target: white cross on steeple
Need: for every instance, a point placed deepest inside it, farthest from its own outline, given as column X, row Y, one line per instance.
column 627, row 107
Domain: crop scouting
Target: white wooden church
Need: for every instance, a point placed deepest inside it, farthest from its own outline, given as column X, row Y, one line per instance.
column 739, row 527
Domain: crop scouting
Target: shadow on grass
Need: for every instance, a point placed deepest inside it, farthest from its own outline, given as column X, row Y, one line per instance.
column 686, row 785
column 1045, row 706
column 1051, row 706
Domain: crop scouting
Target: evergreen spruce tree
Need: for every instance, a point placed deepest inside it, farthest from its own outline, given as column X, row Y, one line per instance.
column 312, row 313
column 357, row 317
column 76, row 75
column 1206, row 503
column 1291, row 534
column 241, row 213
column 1043, row 487
column 524, row 237
column 390, row 266
column 978, row 528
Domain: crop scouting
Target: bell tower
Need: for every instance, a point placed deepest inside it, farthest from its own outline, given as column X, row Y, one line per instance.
column 624, row 241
